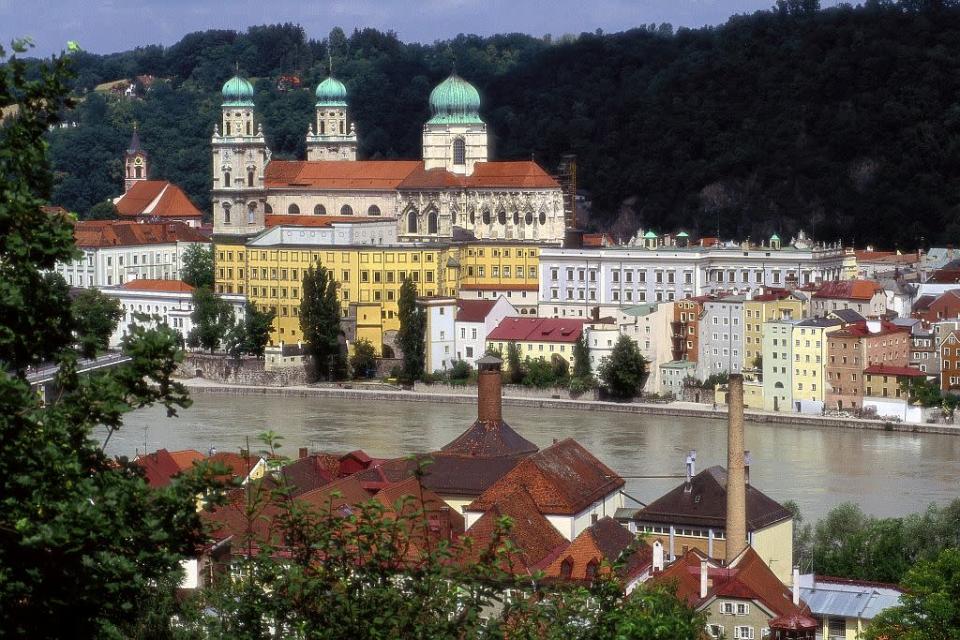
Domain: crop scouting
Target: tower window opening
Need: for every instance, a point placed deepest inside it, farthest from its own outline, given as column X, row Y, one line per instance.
column 226, row 213
column 249, row 128
column 319, row 210
column 226, row 178
column 346, row 210
column 341, row 127
column 323, row 127
column 293, row 210
column 251, row 213
column 432, row 222
column 412, row 221
column 249, row 178
column 139, row 171
column 459, row 151
column 226, row 128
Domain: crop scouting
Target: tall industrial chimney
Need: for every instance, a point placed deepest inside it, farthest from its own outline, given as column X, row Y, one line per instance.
column 736, row 527
column 489, row 391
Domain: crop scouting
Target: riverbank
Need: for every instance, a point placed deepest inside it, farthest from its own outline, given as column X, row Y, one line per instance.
column 685, row 409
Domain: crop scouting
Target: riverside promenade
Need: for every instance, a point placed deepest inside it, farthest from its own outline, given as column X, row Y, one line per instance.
column 384, row 392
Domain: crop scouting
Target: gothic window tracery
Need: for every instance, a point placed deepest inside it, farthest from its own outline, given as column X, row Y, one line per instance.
column 502, row 217
column 412, row 221
column 528, row 218
column 226, row 178
column 251, row 213
column 516, row 217
column 485, row 216
column 543, row 218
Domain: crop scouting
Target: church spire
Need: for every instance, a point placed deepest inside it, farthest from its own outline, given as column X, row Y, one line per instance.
column 135, row 161
column 134, row 140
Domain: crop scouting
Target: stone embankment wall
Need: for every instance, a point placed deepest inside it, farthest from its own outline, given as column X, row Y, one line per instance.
column 509, row 390
column 246, row 370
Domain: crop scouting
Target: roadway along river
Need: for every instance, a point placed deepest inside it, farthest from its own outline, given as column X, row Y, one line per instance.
column 886, row 473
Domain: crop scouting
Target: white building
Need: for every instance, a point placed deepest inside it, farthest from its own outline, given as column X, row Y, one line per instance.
column 721, row 337
column 117, row 252
column 672, row 375
column 324, row 231
column 475, row 320
column 440, row 332
column 166, row 302
column 573, row 281
column 649, row 326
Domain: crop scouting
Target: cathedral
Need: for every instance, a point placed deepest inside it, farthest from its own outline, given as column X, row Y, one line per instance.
column 453, row 191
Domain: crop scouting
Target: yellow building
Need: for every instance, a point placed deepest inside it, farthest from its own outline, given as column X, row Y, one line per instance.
column 809, row 360
column 768, row 307
column 490, row 269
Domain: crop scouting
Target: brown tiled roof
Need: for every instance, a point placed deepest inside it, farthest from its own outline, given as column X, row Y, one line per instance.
column 186, row 458
column 563, row 479
column 159, row 467
column 409, row 499
column 147, row 284
column 346, row 492
column 848, row 290
column 517, row 174
column 602, row 542
column 108, row 233
column 888, row 370
column 156, row 198
column 488, row 439
column 438, row 178
column 536, row 541
column 705, row 504
column 474, row 310
column 446, row 474
column 350, row 175
column 311, row 472
column 515, row 329
column 239, row 466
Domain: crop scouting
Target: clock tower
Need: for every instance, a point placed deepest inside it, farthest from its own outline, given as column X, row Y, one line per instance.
column 240, row 156
column 135, row 162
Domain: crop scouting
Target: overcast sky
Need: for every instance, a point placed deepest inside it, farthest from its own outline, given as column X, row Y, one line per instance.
column 104, row 26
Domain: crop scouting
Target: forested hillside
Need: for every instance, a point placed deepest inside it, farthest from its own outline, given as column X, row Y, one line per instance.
column 844, row 122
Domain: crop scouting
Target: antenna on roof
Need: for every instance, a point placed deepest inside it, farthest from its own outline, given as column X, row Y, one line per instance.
column 236, row 66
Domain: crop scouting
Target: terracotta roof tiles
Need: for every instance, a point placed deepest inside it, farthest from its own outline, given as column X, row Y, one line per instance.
column 515, row 329
column 849, row 290
column 488, row 439
column 348, row 175
column 146, row 284
column 474, row 310
column 159, row 467
column 158, row 198
column 92, row 234
column 888, row 370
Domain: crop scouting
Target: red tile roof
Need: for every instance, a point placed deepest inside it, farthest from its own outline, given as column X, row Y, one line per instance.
column 601, row 543
column 500, row 287
column 159, row 467
column 91, row 234
column 861, row 329
column 275, row 220
column 438, row 178
column 351, row 175
column 310, row 472
column 538, row 330
column 474, row 310
column 771, row 294
column 516, row 174
column 888, row 370
column 563, row 479
column 186, row 458
column 346, row 492
column 156, row 198
column 485, row 439
column 423, row 507
column 239, row 467
column 849, row 290
column 534, row 540
column 597, row 240
column 146, row 284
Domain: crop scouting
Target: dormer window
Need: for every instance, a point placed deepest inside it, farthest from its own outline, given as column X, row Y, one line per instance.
column 591, row 570
column 566, row 568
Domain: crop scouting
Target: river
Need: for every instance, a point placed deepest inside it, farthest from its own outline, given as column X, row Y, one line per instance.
column 887, row 474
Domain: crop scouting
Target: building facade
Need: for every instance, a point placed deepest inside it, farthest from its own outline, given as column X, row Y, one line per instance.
column 721, row 336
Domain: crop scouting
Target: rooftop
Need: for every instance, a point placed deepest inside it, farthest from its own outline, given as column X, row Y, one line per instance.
column 515, row 329
column 849, row 290
column 474, row 310
column 485, row 439
column 93, row 234
column 156, row 198
column 888, row 370
column 168, row 286
column 838, row 597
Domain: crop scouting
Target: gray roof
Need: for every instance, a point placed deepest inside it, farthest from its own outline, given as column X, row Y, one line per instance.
column 847, row 598
column 847, row 315
column 820, row 322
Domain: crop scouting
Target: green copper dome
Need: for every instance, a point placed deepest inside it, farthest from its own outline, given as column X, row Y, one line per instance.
column 331, row 93
column 455, row 101
column 237, row 92
column 650, row 235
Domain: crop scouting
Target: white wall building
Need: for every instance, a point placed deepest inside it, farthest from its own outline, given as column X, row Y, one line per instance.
column 360, row 231
column 440, row 333
column 721, row 337
column 170, row 301
column 475, row 319
column 649, row 326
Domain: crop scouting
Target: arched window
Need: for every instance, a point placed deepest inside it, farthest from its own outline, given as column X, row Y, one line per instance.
column 267, row 208
column 139, row 171
column 226, row 128
column 528, row 218
column 412, row 221
column 251, row 213
column 502, row 216
column 516, row 217
column 432, row 222
column 249, row 128
column 249, row 178
column 323, row 127
column 591, row 571
column 319, row 210
column 543, row 218
column 566, row 568
column 226, row 212
column 374, row 210
column 459, row 151
column 485, row 216
column 293, row 210
column 346, row 210
column 226, row 179
column 473, row 216
column 341, row 127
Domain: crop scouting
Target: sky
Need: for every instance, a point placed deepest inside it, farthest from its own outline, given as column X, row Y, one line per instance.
column 105, row 26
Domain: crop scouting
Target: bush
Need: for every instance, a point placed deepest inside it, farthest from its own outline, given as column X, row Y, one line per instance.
column 582, row 384
column 460, row 371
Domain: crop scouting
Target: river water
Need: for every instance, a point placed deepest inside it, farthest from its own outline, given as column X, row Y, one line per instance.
column 887, row 473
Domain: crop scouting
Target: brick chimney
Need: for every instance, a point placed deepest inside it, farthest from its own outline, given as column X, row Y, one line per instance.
column 489, row 391
column 736, row 526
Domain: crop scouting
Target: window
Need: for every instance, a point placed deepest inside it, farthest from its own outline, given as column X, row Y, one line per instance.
column 743, row 608
column 226, row 219
column 346, row 210
column 459, row 151
column 293, row 210
column 432, row 222
column 743, row 632
column 837, row 628
column 726, row 607
column 249, row 178
column 319, row 210
column 412, row 221
column 374, row 210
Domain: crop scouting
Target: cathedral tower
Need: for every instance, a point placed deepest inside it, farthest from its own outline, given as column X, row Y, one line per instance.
column 135, row 162
column 454, row 138
column 331, row 137
column 240, row 156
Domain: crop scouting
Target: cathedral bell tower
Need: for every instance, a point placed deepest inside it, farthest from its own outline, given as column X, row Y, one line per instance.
column 330, row 136
column 454, row 138
column 240, row 156
column 135, row 162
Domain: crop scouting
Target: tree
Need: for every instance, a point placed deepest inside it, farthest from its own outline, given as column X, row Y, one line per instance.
column 930, row 608
column 84, row 542
column 413, row 327
column 538, row 373
column 105, row 210
column 624, row 371
column 514, row 366
column 197, row 269
column 320, row 322
column 212, row 318
column 257, row 326
column 581, row 358
column 96, row 316
column 363, row 362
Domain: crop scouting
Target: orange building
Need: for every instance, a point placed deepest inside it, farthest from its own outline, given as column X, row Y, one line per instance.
column 685, row 328
column 950, row 362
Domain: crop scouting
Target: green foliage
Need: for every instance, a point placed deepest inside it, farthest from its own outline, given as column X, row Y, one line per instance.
column 84, row 542
column 538, row 373
column 926, row 393
column 581, row 358
column 320, row 323
column 460, row 371
column 197, row 269
column 96, row 316
column 212, row 318
column 930, row 608
column 582, row 385
column 515, row 370
column 105, row 210
column 363, row 362
column 624, row 371
column 411, row 336
column 257, row 325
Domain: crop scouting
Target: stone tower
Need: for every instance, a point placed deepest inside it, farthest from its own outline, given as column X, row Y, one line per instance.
column 331, row 136
column 454, row 138
column 136, row 163
column 240, row 157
